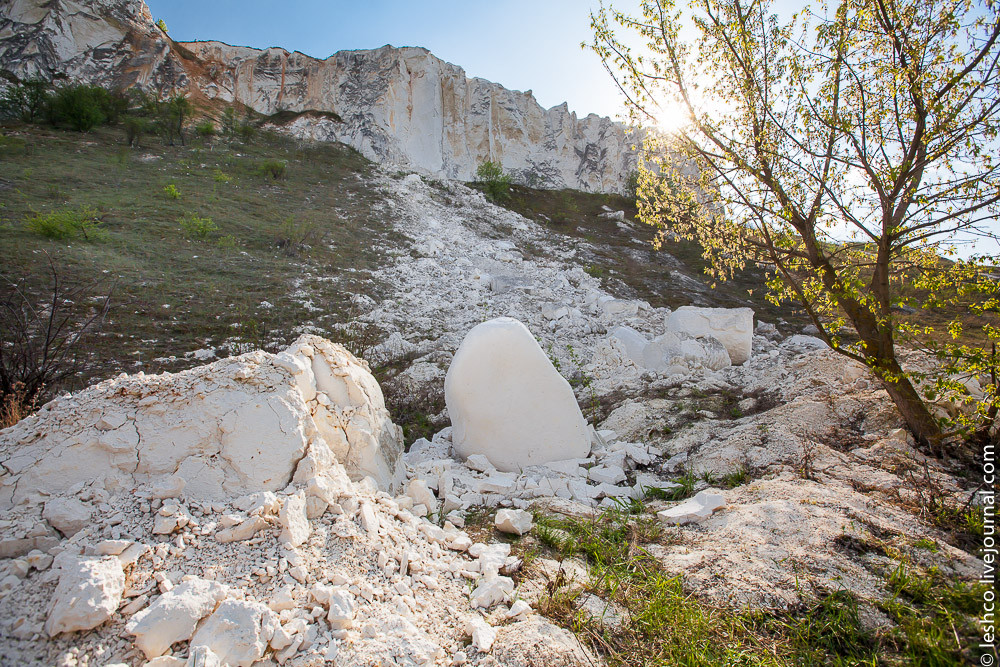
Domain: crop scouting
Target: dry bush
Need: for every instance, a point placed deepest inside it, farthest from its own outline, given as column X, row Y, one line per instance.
column 42, row 342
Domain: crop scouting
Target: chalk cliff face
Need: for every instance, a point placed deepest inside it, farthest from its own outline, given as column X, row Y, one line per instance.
column 398, row 105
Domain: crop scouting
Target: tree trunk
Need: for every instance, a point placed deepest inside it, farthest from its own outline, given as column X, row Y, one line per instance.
column 911, row 406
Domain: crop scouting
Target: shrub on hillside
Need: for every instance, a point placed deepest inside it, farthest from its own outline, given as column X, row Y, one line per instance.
column 495, row 182
column 25, row 100
column 235, row 128
column 196, row 227
column 82, row 107
column 272, row 168
column 67, row 224
column 205, row 129
column 41, row 348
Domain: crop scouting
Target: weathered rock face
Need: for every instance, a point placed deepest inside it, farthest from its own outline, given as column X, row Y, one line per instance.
column 398, row 105
column 239, row 425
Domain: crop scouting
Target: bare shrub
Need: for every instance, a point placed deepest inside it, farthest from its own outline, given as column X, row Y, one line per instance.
column 42, row 344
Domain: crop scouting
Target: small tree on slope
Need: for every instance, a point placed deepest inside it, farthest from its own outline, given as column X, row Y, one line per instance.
column 843, row 150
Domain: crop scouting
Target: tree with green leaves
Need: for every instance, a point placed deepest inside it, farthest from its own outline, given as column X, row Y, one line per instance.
column 845, row 149
column 25, row 100
column 495, row 181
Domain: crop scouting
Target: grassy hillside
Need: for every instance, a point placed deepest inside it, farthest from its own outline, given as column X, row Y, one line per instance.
column 279, row 210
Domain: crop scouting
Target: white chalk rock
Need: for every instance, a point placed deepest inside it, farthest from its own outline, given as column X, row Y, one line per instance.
column 238, row 632
column 633, row 343
column 695, row 509
column 483, row 635
column 293, row 519
column 492, row 590
column 88, row 593
column 507, row 402
column 677, row 352
column 239, row 425
column 341, row 605
column 67, row 515
column 516, row 522
column 733, row 327
column 421, row 495
column 172, row 617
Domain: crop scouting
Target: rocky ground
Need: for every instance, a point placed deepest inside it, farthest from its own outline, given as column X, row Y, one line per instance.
column 237, row 538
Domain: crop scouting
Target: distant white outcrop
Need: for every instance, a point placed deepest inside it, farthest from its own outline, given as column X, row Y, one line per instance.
column 402, row 106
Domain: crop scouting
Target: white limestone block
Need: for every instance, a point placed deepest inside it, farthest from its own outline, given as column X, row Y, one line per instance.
column 483, row 635
column 293, row 519
column 238, row 632
column 67, row 515
column 88, row 594
column 507, row 402
column 516, row 522
column 692, row 510
column 492, row 590
column 172, row 617
column 733, row 327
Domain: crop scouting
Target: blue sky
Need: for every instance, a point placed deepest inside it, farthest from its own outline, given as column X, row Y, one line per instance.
column 521, row 44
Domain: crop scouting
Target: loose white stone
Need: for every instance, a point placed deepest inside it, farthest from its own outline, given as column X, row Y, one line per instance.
column 492, row 590
column 293, row 519
column 516, row 522
column 483, row 635
column 172, row 617
column 67, row 515
column 341, row 614
column 733, row 327
column 88, row 594
column 242, row 531
column 695, row 509
column 507, row 402
column 238, row 632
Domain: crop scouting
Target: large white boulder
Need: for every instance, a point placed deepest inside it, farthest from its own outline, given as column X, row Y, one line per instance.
column 676, row 353
column 173, row 616
column 88, row 593
column 235, row 426
column 733, row 327
column 669, row 354
column 238, row 632
column 508, row 403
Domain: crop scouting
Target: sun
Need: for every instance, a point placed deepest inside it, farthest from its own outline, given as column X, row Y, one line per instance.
column 671, row 117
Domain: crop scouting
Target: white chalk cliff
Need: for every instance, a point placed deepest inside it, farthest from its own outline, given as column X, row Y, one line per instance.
column 401, row 106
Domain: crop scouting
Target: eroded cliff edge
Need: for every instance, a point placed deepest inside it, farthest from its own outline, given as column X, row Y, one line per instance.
column 402, row 106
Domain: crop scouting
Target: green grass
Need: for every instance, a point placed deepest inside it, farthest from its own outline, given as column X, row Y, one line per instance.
column 180, row 290
column 667, row 625
column 685, row 490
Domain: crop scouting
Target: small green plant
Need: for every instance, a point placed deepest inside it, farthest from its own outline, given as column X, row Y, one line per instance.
column 927, row 545
column 228, row 241
column 295, row 234
column 274, row 169
column 685, row 489
column 205, row 129
column 236, row 128
column 162, row 25
column 595, row 271
column 68, row 224
column 221, row 177
column 735, row 478
column 171, row 192
column 196, row 227
column 495, row 182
